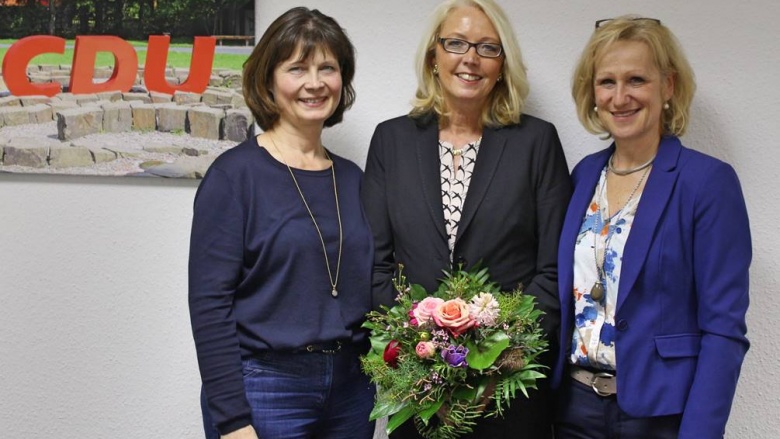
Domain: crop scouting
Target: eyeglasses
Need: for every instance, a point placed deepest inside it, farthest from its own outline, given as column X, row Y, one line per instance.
column 599, row 23
column 456, row 45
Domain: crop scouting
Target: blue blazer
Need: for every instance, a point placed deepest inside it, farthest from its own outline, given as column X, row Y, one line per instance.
column 683, row 290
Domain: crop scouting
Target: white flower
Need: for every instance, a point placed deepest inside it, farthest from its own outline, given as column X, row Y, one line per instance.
column 484, row 308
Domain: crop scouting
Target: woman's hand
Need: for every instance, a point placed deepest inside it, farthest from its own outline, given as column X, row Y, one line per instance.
column 247, row 432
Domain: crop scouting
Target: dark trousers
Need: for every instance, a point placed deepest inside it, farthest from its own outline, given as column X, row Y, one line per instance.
column 582, row 414
column 306, row 396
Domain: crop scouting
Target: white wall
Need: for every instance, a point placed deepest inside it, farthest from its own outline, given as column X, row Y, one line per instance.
column 94, row 332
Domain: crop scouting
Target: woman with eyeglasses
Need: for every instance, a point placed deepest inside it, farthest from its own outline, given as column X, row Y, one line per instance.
column 466, row 178
column 654, row 253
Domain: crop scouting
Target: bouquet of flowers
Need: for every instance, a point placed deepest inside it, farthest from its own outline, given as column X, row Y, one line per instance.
column 452, row 356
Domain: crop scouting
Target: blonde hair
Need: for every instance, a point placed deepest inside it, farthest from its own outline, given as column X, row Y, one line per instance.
column 667, row 55
column 507, row 99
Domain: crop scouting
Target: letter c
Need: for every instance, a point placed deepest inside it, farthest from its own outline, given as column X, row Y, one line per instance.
column 19, row 56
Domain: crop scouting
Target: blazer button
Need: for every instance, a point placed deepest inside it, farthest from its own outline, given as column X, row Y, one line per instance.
column 622, row 325
column 460, row 260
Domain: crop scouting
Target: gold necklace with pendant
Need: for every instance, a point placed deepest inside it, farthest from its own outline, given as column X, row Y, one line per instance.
column 334, row 279
column 597, row 291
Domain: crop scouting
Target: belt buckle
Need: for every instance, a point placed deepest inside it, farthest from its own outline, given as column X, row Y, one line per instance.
column 594, row 383
column 313, row 348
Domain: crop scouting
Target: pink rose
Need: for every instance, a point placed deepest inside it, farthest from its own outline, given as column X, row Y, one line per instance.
column 412, row 318
column 425, row 309
column 454, row 315
column 425, row 349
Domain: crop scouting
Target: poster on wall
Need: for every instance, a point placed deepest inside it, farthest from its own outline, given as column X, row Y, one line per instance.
column 131, row 88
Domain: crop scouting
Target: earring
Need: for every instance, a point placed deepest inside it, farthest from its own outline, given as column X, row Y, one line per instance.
column 435, row 70
column 500, row 77
column 596, row 108
column 666, row 105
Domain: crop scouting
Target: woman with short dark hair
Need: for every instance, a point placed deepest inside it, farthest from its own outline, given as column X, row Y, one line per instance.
column 280, row 255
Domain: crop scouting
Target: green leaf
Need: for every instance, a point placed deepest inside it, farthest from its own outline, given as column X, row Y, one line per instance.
column 398, row 312
column 483, row 355
column 418, row 292
column 379, row 339
column 386, row 408
column 368, row 324
column 399, row 418
column 464, row 393
column 378, row 344
column 471, row 394
column 481, row 386
column 430, row 411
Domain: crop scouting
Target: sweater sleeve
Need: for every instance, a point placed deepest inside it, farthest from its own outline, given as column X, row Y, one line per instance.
column 216, row 255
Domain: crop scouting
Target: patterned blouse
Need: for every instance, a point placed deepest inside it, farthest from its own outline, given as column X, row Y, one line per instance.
column 593, row 338
column 455, row 183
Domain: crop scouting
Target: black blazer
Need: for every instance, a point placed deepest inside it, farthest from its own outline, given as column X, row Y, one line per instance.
column 511, row 218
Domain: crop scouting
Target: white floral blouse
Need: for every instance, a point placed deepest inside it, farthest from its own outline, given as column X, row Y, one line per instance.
column 593, row 338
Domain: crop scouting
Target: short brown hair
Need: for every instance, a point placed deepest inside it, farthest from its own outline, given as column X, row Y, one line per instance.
column 667, row 55
column 308, row 30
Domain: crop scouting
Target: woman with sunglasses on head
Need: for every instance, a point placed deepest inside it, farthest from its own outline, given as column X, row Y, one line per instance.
column 654, row 253
column 466, row 178
column 280, row 254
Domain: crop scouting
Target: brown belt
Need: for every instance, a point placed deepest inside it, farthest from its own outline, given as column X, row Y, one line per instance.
column 603, row 383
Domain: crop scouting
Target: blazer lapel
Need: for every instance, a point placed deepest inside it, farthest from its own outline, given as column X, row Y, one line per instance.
column 655, row 196
column 430, row 175
column 490, row 150
column 587, row 178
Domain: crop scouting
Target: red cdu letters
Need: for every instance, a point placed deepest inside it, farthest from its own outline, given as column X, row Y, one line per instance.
column 200, row 65
column 19, row 55
column 125, row 64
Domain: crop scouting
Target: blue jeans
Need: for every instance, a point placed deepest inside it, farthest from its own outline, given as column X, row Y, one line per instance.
column 582, row 414
column 306, row 396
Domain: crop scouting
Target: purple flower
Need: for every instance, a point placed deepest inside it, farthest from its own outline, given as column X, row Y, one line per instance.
column 455, row 356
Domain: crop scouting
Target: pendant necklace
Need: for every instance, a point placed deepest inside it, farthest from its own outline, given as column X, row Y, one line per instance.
column 597, row 291
column 334, row 279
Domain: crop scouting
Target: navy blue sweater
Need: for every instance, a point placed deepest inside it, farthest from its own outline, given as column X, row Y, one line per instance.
column 257, row 276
